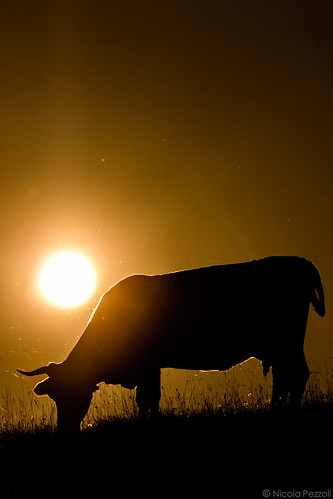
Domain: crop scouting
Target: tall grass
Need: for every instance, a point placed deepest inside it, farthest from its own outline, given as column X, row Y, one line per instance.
column 21, row 410
column 184, row 393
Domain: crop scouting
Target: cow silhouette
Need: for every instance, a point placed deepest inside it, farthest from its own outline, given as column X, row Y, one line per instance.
column 204, row 319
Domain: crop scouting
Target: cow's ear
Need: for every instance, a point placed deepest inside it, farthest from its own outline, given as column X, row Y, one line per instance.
column 43, row 388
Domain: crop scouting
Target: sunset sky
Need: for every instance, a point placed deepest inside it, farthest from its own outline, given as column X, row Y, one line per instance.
column 153, row 136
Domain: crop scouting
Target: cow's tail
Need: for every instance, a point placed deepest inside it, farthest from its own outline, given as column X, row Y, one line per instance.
column 317, row 292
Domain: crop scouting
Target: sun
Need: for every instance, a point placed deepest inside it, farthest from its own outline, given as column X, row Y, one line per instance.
column 67, row 279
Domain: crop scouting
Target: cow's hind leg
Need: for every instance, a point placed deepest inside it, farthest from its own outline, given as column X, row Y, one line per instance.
column 299, row 377
column 289, row 377
column 148, row 394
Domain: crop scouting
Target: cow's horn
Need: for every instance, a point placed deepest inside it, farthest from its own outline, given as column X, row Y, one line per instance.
column 40, row 370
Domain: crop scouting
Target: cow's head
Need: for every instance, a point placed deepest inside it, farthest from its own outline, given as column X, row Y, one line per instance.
column 69, row 393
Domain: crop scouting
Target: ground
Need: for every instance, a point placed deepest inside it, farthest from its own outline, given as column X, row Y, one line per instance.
column 235, row 455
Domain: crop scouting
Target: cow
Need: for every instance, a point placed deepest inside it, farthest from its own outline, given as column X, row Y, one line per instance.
column 209, row 318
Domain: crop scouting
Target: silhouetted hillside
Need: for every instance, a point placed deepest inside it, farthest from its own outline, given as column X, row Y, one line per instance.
column 217, row 454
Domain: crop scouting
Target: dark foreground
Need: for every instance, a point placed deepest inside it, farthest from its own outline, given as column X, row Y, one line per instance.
column 247, row 455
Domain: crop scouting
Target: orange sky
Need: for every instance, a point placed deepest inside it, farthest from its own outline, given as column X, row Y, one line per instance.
column 155, row 136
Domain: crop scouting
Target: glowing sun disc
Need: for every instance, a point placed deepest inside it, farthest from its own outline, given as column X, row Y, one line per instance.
column 67, row 279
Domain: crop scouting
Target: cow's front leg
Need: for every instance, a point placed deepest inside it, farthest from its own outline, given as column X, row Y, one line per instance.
column 148, row 394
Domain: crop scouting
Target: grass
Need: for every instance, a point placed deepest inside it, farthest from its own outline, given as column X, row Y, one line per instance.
column 215, row 432
column 242, row 389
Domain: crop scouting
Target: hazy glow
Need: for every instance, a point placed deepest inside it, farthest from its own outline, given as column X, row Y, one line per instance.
column 67, row 279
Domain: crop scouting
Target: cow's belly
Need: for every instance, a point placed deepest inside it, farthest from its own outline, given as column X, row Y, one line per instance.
column 202, row 364
column 206, row 354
